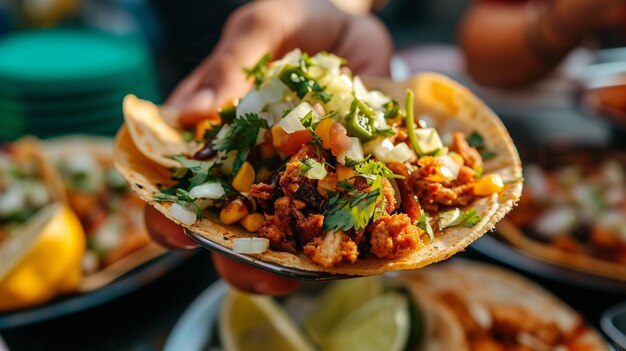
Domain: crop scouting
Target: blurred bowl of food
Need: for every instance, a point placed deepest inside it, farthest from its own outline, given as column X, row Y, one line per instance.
column 459, row 305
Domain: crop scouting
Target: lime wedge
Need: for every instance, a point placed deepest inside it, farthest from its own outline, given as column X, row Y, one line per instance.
column 381, row 324
column 337, row 301
column 249, row 322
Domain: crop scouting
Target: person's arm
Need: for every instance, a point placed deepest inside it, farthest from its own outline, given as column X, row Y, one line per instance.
column 275, row 26
column 511, row 44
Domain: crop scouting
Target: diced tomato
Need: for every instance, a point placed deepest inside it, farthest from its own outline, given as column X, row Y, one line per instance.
column 339, row 140
column 293, row 142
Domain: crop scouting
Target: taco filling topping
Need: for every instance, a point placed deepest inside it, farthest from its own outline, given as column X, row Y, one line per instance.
column 312, row 161
column 111, row 214
column 22, row 189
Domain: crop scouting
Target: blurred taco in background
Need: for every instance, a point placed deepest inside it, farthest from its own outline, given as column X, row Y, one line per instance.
column 499, row 310
column 313, row 170
column 27, row 183
column 111, row 214
column 573, row 212
column 41, row 240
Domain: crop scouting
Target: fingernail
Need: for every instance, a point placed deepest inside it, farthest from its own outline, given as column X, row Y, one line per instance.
column 202, row 101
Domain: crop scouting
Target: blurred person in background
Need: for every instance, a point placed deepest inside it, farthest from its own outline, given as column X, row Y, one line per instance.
column 508, row 43
column 275, row 26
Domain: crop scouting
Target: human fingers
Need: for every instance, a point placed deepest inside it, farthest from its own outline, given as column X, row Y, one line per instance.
column 164, row 231
column 250, row 279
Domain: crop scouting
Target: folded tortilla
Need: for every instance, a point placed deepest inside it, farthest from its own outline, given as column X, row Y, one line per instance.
column 482, row 285
column 146, row 142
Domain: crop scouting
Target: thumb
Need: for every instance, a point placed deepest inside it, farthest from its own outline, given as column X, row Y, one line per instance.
column 220, row 79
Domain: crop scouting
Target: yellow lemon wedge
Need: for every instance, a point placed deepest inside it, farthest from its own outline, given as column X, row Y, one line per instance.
column 42, row 258
column 249, row 322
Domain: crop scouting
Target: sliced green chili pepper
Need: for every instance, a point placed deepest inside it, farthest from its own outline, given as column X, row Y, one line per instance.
column 410, row 122
column 299, row 81
column 360, row 120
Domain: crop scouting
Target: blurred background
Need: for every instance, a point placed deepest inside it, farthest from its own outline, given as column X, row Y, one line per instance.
column 146, row 47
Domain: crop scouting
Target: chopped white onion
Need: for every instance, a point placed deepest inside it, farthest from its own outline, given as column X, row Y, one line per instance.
column 273, row 90
column 379, row 120
column 278, row 110
column 354, row 151
column 212, row 190
column 330, row 62
column 37, row 194
column 536, row 182
column 556, row 221
column 377, row 99
column 451, row 164
column 109, row 235
column 359, row 89
column 184, row 214
column 251, row 103
column 250, row 245
column 291, row 122
column 400, row 153
column 12, row 200
column 318, row 110
column 380, row 148
column 90, row 262
column 318, row 171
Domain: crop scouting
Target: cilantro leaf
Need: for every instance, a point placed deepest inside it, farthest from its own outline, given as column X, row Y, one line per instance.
column 241, row 137
column 371, row 169
column 392, row 109
column 259, row 70
column 469, row 218
column 306, row 165
column 424, row 224
column 476, row 140
column 322, row 96
column 486, row 155
column 182, row 198
column 352, row 211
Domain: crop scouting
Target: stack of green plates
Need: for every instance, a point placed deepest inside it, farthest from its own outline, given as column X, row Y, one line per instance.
column 63, row 81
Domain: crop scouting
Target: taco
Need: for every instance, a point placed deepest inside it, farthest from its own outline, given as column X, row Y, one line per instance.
column 27, row 184
column 314, row 171
column 111, row 214
column 573, row 212
column 499, row 310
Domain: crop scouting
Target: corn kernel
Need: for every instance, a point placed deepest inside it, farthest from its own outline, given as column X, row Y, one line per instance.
column 244, row 178
column 489, row 184
column 233, row 211
column 252, row 222
column 345, row 173
column 323, row 131
column 277, row 135
column 328, row 183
